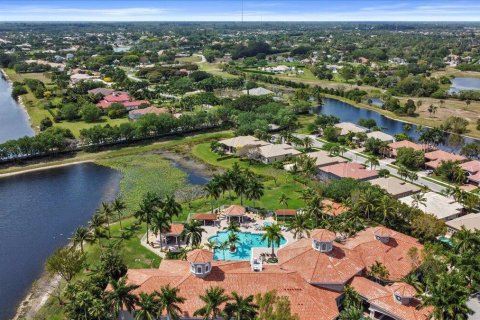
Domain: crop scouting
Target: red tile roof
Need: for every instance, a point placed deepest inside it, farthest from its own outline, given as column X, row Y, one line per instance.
column 475, row 177
column 309, row 302
column 393, row 254
column 234, row 210
column 205, row 216
column 333, row 208
column 472, row 166
column 349, row 170
column 403, row 289
column 334, row 267
column 175, row 229
column 404, row 144
column 148, row 110
column 441, row 155
column 382, row 298
column 122, row 97
column 286, row 212
column 199, row 256
column 323, row 235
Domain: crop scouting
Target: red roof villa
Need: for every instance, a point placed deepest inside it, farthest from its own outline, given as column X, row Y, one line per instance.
column 123, row 98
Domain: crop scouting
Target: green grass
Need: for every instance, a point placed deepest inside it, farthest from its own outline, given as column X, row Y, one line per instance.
column 77, row 126
column 276, row 181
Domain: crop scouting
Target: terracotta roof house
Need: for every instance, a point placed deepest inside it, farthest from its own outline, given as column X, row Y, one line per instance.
column 442, row 207
column 234, row 211
column 386, row 246
column 123, row 98
column 320, row 261
column 285, row 213
column 382, row 136
column 352, row 170
column 323, row 158
column 396, row 187
column 231, row 145
column 396, row 301
column 346, row 127
column 198, row 273
column 276, row 152
column 205, row 218
column 472, row 167
column 474, row 178
column 333, row 208
column 394, row 146
column 138, row 113
column 435, row 158
column 470, row 221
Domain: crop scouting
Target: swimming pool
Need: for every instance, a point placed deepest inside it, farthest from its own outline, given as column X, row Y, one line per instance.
column 247, row 241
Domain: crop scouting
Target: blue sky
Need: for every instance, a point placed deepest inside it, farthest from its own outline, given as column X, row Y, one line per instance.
column 230, row 10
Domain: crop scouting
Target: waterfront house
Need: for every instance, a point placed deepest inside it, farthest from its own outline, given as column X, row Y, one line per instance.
column 122, row 98
column 138, row 113
column 382, row 136
column 276, row 152
column 231, row 145
column 347, row 127
column 435, row 158
column 394, row 146
column 472, row 168
column 323, row 158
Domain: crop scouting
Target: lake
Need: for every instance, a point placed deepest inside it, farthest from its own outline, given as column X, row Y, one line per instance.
column 464, row 83
column 38, row 213
column 14, row 122
column 193, row 177
column 349, row 113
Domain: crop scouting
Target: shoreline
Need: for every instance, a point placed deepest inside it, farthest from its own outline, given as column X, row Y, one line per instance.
column 47, row 167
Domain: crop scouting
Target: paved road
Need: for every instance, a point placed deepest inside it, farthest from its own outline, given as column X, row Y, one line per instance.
column 384, row 164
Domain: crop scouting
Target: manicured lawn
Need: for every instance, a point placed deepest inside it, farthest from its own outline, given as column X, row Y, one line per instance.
column 276, row 181
column 191, row 59
column 77, row 126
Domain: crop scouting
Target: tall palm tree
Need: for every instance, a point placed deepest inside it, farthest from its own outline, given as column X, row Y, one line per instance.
column 121, row 297
column 96, row 225
column 148, row 207
column 368, row 202
column 233, row 239
column 192, row 233
column 402, row 172
column 352, row 313
column 418, row 199
column 314, row 209
column 161, row 222
column 171, row 207
column 118, row 205
column 307, row 143
column 149, row 307
column 283, row 200
column 372, row 161
column 299, row 226
column 81, row 235
column 213, row 298
column 273, row 235
column 240, row 186
column 386, row 207
column 106, row 210
column 448, row 295
column 212, row 188
column 255, row 190
column 241, row 308
column 170, row 301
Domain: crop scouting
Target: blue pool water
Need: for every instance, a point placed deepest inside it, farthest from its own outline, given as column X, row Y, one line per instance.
column 244, row 246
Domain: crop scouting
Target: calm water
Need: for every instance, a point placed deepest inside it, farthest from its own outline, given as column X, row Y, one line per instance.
column 349, row 113
column 14, row 122
column 247, row 241
column 193, row 177
column 38, row 213
column 461, row 84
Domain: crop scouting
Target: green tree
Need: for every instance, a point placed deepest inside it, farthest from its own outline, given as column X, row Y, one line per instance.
column 274, row 307
column 273, row 235
column 378, row 271
column 106, row 211
column 241, row 308
column 148, row 307
column 120, row 297
column 192, row 233
column 80, row 236
column 118, row 205
column 161, row 223
column 66, row 263
column 300, row 225
column 170, row 301
column 90, row 113
column 283, row 200
column 213, row 299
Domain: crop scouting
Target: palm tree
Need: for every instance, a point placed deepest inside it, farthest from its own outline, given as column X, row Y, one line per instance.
column 351, row 297
column 402, row 172
column 240, row 186
column 273, row 235
column 146, row 211
column 378, row 271
column 463, row 240
column 314, row 208
column 118, row 205
column 149, row 307
column 171, row 207
column 241, row 308
column 213, row 298
column 307, row 143
column 96, row 225
column 368, row 202
column 233, row 239
column 254, row 190
column 418, row 199
column 170, row 300
column 306, row 195
column 300, row 225
column 283, row 200
column 448, row 295
column 160, row 223
column 373, row 161
column 352, row 313
column 192, row 233
column 81, row 235
column 211, row 244
column 386, row 207
column 212, row 188
column 224, row 246
column 121, row 297
column 106, row 210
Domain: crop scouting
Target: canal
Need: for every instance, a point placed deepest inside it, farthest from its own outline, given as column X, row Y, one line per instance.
column 349, row 113
column 14, row 122
column 38, row 213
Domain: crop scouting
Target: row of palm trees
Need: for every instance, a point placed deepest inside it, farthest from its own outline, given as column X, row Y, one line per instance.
column 167, row 301
column 244, row 182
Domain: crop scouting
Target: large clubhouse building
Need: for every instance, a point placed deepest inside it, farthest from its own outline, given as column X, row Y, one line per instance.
column 312, row 272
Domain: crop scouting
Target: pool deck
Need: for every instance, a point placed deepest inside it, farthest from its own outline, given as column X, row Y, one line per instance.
column 212, row 231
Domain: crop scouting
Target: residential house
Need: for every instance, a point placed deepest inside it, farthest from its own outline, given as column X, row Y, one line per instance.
column 435, row 158
column 233, row 144
column 394, row 146
column 123, row 98
column 469, row 221
column 347, row 127
column 352, row 170
column 138, row 113
column 442, row 207
column 382, row 136
column 276, row 152
column 396, row 187
column 472, row 168
column 258, row 92
column 323, row 158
